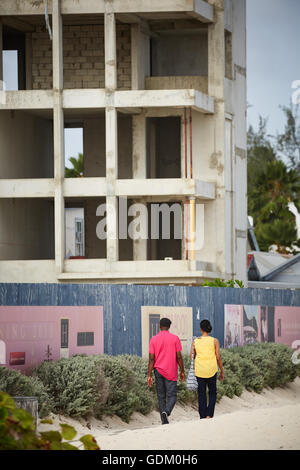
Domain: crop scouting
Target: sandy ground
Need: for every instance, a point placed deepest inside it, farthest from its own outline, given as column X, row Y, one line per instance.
column 270, row 420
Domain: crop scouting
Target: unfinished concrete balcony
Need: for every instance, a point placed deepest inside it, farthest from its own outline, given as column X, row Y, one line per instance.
column 199, row 83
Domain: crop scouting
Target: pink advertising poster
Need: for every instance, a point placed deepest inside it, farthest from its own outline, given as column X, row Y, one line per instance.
column 32, row 334
column 233, row 326
column 248, row 324
column 287, row 325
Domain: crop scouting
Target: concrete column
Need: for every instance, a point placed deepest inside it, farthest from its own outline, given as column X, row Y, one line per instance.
column 111, row 131
column 135, row 32
column 111, row 176
column 110, row 42
column 139, row 170
column 216, row 69
column 140, row 55
column 58, row 133
column 139, row 164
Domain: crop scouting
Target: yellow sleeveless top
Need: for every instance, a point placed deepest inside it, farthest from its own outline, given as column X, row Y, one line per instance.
column 205, row 362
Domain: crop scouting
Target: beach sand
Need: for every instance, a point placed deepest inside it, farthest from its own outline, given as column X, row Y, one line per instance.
column 270, row 420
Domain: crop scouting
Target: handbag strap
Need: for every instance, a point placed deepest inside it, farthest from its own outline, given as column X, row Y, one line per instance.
column 192, row 359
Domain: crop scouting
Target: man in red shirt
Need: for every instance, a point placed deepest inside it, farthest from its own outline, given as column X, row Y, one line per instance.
column 164, row 357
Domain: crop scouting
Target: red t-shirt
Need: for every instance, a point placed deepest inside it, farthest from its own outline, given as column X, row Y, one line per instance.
column 164, row 346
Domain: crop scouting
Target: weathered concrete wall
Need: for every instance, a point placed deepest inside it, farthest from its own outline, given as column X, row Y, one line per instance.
column 239, row 100
column 26, row 229
column 26, row 145
column 94, row 147
column 180, row 55
column 197, row 82
column 83, row 51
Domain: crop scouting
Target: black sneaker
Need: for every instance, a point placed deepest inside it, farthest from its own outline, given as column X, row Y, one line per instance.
column 164, row 418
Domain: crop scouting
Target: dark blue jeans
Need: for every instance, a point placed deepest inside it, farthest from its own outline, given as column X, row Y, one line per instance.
column 204, row 409
column 166, row 393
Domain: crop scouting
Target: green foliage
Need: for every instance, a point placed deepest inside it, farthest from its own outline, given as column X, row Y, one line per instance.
column 272, row 362
column 117, row 385
column 273, row 184
column 288, row 143
column 77, row 170
column 268, row 203
column 15, row 383
column 221, row 283
column 77, row 387
column 145, row 398
column 17, row 431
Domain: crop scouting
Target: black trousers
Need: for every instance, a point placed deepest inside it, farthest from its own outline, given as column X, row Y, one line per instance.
column 204, row 408
column 166, row 393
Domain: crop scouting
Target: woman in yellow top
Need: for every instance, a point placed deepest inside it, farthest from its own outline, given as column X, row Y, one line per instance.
column 206, row 351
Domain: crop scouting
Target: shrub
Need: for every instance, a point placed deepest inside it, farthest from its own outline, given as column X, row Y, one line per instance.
column 232, row 384
column 146, row 400
column 106, row 385
column 122, row 399
column 15, row 383
column 77, row 388
column 271, row 361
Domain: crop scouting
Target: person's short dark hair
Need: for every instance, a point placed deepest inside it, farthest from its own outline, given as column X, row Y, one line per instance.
column 206, row 326
column 165, row 322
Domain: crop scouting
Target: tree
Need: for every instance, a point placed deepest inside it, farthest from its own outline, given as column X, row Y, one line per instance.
column 288, row 143
column 77, row 170
column 259, row 152
column 268, row 201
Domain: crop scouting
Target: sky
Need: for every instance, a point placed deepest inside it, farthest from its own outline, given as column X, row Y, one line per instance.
column 273, row 38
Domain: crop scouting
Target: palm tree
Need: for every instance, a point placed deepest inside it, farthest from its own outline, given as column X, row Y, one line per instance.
column 77, row 170
column 268, row 203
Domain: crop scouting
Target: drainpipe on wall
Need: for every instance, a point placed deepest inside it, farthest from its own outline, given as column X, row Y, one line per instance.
column 192, row 228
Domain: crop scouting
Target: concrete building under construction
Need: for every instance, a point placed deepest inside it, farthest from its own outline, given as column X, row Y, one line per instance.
column 159, row 90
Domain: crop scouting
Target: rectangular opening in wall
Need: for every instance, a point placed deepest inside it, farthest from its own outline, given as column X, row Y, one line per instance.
column 81, row 231
column 85, row 143
column 164, row 230
column 163, row 147
column 26, row 144
column 26, row 229
column 27, row 41
column 228, row 55
column 178, row 55
column 10, row 70
column 14, row 68
column 74, row 154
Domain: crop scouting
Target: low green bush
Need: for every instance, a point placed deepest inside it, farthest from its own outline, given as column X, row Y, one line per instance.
column 117, row 385
column 15, row 384
column 271, row 361
column 146, row 400
column 76, row 386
